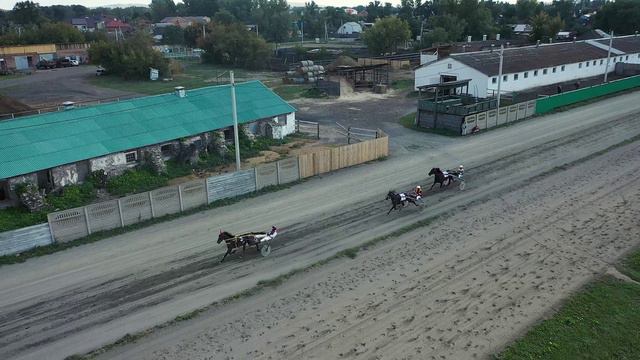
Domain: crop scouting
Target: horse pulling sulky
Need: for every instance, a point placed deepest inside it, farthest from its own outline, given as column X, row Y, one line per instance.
column 261, row 240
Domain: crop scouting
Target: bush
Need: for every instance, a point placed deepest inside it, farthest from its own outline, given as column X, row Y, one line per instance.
column 15, row 218
column 135, row 181
column 72, row 196
column 98, row 178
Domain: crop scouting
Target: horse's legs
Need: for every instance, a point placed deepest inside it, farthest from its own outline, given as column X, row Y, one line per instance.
column 435, row 181
column 225, row 255
column 392, row 207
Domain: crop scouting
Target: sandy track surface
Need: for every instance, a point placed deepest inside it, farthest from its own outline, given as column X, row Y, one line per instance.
column 80, row 299
column 460, row 288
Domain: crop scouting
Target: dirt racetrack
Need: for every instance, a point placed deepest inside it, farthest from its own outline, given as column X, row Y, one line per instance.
column 510, row 247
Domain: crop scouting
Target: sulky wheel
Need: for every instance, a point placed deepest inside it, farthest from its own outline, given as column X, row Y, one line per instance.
column 265, row 250
column 461, row 186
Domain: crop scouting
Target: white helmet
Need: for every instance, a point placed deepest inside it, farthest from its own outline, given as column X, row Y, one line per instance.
column 461, row 167
column 418, row 187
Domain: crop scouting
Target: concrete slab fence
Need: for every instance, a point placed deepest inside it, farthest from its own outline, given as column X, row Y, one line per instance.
column 72, row 224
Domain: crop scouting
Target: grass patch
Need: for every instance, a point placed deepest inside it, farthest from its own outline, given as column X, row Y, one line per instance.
column 630, row 266
column 409, row 120
column 402, row 85
column 291, row 92
column 16, row 218
column 136, row 181
column 194, row 76
column 600, row 322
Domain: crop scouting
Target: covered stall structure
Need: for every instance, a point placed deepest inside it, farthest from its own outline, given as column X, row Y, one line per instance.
column 365, row 75
column 445, row 105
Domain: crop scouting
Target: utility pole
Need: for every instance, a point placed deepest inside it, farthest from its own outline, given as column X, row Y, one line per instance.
column 500, row 75
column 234, row 113
column 326, row 34
column 302, row 28
column 204, row 31
column 606, row 69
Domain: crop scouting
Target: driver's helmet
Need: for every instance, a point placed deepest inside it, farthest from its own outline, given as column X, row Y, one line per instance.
column 418, row 187
column 461, row 168
column 273, row 228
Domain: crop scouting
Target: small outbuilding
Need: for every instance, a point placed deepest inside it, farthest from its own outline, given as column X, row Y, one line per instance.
column 350, row 29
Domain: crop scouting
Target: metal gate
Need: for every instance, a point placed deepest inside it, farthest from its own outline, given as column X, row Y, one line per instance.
column 21, row 63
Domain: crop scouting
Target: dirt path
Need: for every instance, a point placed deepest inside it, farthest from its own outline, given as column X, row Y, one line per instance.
column 82, row 298
column 460, row 288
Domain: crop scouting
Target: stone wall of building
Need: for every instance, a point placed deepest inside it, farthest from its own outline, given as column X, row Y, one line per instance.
column 112, row 164
column 23, row 179
column 64, row 175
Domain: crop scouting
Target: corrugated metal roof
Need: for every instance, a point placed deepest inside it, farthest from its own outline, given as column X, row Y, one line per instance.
column 628, row 44
column 531, row 57
column 44, row 141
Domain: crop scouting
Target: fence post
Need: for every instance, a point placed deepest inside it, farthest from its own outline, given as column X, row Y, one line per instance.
column 349, row 135
column 120, row 211
column 53, row 236
column 278, row 172
column 180, row 197
column 299, row 168
column 255, row 176
column 153, row 210
column 86, row 220
column 206, row 188
column 318, row 130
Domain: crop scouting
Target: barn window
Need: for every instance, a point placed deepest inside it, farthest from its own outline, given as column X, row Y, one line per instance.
column 535, row 72
column 626, row 57
column 131, row 157
column 562, row 68
column 526, row 74
column 544, row 71
column 580, row 66
column 586, row 64
column 449, row 66
column 515, row 77
column 494, row 80
column 553, row 70
column 504, row 78
column 594, row 63
column 601, row 61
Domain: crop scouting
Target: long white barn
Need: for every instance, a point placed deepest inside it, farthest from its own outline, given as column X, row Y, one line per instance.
column 532, row 66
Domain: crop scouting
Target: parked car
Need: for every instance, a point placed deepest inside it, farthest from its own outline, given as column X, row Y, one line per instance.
column 63, row 62
column 100, row 71
column 74, row 62
column 45, row 64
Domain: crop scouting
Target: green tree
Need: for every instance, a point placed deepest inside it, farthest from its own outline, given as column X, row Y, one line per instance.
column 386, row 35
column 621, row 16
column 273, row 19
column 26, row 12
column 234, row 45
column 131, row 58
column 240, row 9
column 445, row 28
column 224, row 17
column 526, row 9
column 173, row 35
column 545, row 26
column 161, row 9
column 192, row 34
column 200, row 7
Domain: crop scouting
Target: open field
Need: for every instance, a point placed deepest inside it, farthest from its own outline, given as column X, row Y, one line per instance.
column 480, row 267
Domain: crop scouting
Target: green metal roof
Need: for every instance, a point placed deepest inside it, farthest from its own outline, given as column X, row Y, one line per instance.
column 44, row 141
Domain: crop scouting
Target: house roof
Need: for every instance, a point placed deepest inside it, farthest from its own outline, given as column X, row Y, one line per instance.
column 44, row 141
column 530, row 57
column 628, row 44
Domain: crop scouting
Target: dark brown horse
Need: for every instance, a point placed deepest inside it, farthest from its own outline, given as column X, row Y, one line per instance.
column 396, row 199
column 234, row 242
column 440, row 178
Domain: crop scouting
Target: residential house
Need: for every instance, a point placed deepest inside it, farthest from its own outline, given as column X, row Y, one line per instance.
column 115, row 25
column 183, row 21
column 89, row 23
column 62, row 148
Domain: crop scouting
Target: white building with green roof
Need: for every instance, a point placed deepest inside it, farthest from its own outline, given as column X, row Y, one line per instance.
column 61, row 148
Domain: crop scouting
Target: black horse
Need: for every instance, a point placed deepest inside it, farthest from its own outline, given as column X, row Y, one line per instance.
column 440, row 178
column 396, row 199
column 234, row 242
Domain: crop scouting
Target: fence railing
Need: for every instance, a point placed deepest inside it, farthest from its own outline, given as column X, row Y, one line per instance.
column 357, row 134
column 79, row 222
column 553, row 102
column 61, row 107
column 308, row 127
